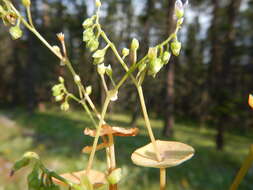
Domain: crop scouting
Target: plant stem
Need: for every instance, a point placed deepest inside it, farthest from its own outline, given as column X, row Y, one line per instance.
column 29, row 15
column 242, row 172
column 112, row 160
column 147, row 122
column 91, row 158
column 162, row 178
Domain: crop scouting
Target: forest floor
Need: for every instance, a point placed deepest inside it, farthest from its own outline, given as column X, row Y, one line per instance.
column 58, row 138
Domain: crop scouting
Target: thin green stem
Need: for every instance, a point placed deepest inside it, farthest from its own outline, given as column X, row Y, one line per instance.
column 147, row 122
column 29, row 15
column 91, row 158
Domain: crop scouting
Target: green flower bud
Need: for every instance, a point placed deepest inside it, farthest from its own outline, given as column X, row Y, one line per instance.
column 115, row 176
column 26, row 3
column 135, row 44
column 152, row 53
column 31, row 155
column 57, row 89
column 101, row 69
column 61, row 79
column 98, row 60
column 93, row 44
column 125, row 52
column 180, row 21
column 98, row 3
column 113, row 95
column 16, row 32
column 155, row 66
column 88, row 23
column 88, row 90
column 99, row 53
column 108, row 70
column 59, row 98
column 65, row 106
column 77, row 79
column 176, row 47
column 88, row 34
column 179, row 12
column 166, row 57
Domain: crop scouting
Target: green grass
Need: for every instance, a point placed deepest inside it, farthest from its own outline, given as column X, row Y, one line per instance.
column 58, row 138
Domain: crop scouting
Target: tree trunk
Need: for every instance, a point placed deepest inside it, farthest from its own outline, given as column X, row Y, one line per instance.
column 170, row 69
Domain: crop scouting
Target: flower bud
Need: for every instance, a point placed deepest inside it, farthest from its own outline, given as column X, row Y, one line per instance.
column 166, row 57
column 101, row 69
column 108, row 70
column 93, row 44
column 88, row 90
column 65, row 106
column 99, row 53
column 88, row 34
column 77, row 79
column 155, row 66
column 16, row 32
column 60, row 36
column 98, row 3
column 135, row 44
column 250, row 101
column 88, row 23
column 98, row 60
column 179, row 9
column 26, row 3
column 125, row 52
column 176, row 47
column 113, row 95
column 152, row 53
column 61, row 79
column 115, row 176
column 180, row 21
column 59, row 98
column 57, row 89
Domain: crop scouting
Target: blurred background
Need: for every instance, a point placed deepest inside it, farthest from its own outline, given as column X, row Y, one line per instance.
column 200, row 98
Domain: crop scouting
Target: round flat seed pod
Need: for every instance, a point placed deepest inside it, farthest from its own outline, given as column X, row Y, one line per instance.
column 172, row 153
column 96, row 178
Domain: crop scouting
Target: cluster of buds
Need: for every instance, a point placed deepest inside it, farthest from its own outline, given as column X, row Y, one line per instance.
column 179, row 16
column 59, row 92
column 89, row 36
column 11, row 19
column 155, row 62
